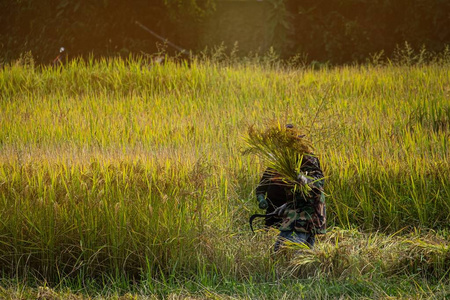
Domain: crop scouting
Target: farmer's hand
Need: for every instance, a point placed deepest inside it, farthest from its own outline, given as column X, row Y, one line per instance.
column 281, row 211
column 303, row 180
column 262, row 202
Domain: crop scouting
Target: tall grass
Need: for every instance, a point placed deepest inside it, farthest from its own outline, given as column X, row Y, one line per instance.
column 128, row 167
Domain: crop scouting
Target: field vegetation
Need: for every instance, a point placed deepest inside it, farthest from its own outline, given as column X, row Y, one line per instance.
column 126, row 178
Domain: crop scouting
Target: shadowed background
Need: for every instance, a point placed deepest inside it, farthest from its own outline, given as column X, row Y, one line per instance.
column 339, row 31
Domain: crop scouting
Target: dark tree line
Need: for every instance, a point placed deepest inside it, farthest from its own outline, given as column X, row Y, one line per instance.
column 350, row 30
column 329, row 30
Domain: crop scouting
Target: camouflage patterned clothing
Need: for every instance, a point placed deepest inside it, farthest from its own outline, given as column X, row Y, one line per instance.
column 306, row 213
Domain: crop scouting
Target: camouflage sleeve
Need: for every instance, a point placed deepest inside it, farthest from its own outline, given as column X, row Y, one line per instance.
column 314, row 172
column 311, row 167
column 320, row 218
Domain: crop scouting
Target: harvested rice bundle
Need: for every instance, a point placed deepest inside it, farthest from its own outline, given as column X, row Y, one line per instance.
column 282, row 148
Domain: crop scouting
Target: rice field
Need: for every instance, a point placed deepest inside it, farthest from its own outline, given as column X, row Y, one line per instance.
column 119, row 169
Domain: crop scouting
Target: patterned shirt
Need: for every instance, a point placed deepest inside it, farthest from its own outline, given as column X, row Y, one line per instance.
column 306, row 212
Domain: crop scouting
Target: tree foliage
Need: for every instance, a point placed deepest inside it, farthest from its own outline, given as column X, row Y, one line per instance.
column 334, row 30
column 349, row 30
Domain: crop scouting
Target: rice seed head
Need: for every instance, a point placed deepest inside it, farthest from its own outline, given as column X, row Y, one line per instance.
column 281, row 147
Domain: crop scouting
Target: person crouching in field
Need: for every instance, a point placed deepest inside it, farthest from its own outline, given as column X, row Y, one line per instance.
column 299, row 207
